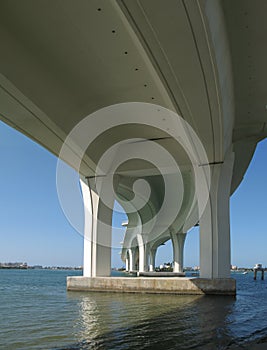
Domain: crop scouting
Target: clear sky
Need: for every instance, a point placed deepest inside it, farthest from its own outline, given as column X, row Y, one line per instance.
column 34, row 229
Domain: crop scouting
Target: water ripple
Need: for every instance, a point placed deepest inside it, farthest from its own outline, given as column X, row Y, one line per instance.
column 38, row 313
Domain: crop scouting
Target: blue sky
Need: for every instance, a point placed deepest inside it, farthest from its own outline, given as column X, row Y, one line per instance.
column 34, row 229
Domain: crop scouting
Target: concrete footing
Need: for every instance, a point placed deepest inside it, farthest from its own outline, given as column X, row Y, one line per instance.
column 162, row 285
column 160, row 274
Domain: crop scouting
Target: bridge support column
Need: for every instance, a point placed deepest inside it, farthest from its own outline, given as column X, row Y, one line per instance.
column 97, row 234
column 215, row 254
column 131, row 262
column 178, row 240
column 147, row 256
column 152, row 258
column 87, row 239
column 127, row 264
column 135, row 257
column 142, row 257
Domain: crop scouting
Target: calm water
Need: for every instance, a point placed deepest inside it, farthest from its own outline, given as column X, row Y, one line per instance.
column 37, row 313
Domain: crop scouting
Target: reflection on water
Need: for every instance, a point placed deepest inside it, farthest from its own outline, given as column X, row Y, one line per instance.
column 142, row 321
column 37, row 313
column 88, row 315
column 116, row 310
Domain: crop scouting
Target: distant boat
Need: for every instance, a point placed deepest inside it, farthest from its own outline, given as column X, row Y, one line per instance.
column 245, row 273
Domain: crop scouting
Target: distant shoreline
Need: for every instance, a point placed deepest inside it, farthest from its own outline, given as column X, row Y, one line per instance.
column 40, row 268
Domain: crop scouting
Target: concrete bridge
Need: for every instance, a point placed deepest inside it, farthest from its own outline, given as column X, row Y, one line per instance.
column 157, row 104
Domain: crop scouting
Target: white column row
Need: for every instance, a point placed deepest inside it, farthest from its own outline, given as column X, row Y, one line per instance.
column 147, row 255
column 214, row 232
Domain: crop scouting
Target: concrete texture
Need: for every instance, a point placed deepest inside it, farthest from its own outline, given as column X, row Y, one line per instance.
column 175, row 285
column 44, row 96
column 160, row 274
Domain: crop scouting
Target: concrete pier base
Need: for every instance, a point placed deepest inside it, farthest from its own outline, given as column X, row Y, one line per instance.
column 162, row 285
column 160, row 274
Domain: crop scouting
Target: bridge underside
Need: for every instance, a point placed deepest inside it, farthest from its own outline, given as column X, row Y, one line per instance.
column 170, row 102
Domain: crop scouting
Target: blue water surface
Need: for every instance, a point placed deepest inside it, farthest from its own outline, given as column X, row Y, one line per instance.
column 38, row 313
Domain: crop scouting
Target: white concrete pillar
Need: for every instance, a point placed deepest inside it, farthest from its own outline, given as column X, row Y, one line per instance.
column 131, row 262
column 102, row 239
column 178, row 240
column 126, row 264
column 135, row 257
column 215, row 254
column 87, row 239
column 147, row 256
column 141, row 248
column 152, row 258
column 98, row 234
